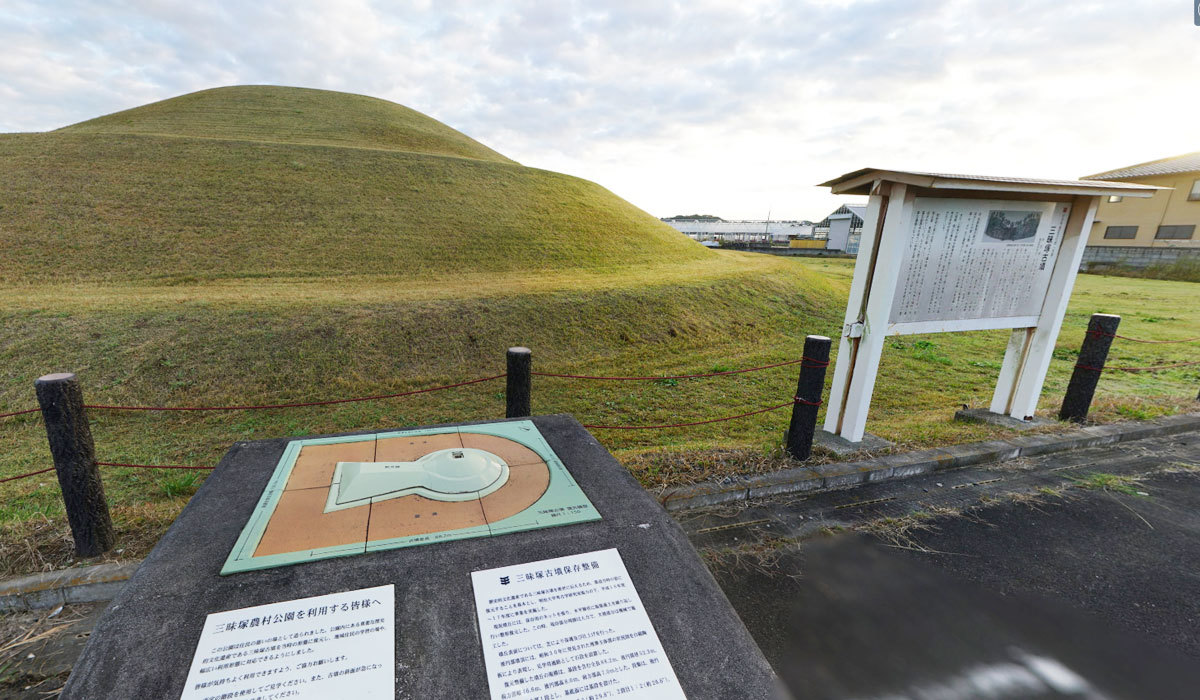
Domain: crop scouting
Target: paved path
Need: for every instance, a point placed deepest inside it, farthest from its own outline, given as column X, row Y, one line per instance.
column 1059, row 591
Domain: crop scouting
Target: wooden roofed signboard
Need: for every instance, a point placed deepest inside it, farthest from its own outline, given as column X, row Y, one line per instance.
column 946, row 253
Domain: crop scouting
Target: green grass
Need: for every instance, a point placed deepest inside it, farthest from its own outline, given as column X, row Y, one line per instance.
column 168, row 351
column 180, row 484
column 252, row 342
column 178, row 345
column 1100, row 481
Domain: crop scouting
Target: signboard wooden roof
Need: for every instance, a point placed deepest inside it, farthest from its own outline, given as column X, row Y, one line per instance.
column 860, row 182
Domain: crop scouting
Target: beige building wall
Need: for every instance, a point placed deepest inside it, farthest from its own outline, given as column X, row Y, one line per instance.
column 1165, row 208
column 806, row 243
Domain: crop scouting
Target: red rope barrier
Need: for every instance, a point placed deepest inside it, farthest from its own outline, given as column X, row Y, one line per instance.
column 292, row 405
column 151, row 466
column 29, row 474
column 814, row 363
column 1153, row 368
column 20, row 413
column 700, row 422
column 109, row 407
column 1140, row 340
column 110, row 464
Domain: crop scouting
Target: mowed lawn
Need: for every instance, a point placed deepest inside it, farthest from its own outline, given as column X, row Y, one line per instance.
column 258, row 341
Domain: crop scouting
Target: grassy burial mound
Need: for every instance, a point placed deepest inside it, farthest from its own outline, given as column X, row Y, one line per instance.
column 253, row 245
column 284, row 182
column 272, row 114
column 259, row 245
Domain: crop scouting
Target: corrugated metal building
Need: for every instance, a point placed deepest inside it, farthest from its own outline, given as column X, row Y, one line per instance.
column 843, row 228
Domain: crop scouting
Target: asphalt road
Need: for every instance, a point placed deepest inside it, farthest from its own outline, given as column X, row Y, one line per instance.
column 1093, row 593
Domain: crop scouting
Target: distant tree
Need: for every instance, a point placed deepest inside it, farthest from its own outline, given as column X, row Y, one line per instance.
column 694, row 217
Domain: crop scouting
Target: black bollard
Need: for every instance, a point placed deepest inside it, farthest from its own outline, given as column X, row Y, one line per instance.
column 809, row 388
column 75, row 462
column 519, row 383
column 1092, row 356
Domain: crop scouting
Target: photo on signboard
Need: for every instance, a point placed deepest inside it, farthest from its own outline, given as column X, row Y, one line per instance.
column 1008, row 225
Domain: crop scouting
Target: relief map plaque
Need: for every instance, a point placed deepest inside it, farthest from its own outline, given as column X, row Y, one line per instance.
column 340, row 496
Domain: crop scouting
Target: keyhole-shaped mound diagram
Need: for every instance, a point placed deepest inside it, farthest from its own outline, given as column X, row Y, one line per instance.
column 456, row 474
column 354, row 494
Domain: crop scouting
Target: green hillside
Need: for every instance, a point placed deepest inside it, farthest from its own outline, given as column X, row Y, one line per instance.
column 308, row 183
column 291, row 115
column 263, row 244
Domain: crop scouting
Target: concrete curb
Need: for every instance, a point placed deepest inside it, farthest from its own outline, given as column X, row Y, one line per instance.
column 838, row 475
column 90, row 584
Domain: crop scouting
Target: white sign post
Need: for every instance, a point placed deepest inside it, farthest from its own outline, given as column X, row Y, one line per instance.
column 944, row 253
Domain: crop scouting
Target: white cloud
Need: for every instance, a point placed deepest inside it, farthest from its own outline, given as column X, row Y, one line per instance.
column 724, row 107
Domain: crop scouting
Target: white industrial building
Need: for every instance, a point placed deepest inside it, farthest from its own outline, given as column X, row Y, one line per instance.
column 779, row 232
column 841, row 231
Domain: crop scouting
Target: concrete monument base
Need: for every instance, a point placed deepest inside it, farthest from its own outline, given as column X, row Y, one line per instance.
column 842, row 447
column 982, row 415
column 144, row 644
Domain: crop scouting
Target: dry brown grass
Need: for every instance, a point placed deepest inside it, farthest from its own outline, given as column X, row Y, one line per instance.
column 1118, row 409
column 660, row 469
column 761, row 555
column 898, row 531
column 22, row 631
column 44, row 544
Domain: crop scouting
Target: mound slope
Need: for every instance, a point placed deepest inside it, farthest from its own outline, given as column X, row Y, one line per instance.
column 285, row 182
column 291, row 115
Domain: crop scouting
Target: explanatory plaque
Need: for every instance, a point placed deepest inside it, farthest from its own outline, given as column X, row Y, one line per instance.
column 331, row 646
column 969, row 259
column 569, row 627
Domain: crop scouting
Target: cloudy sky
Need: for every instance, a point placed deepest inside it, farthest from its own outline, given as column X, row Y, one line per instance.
column 731, row 107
